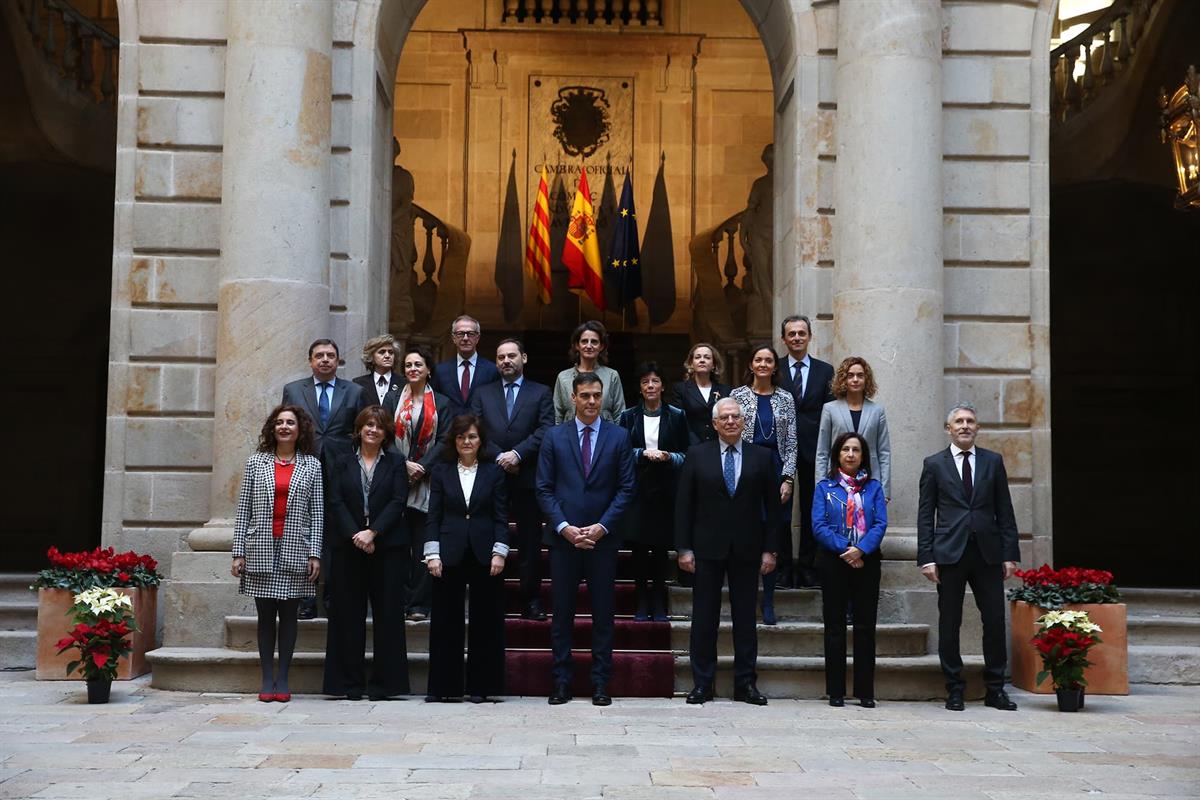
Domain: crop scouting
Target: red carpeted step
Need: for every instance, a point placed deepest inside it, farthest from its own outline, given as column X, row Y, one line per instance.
column 624, row 598
column 512, row 565
column 634, row 674
column 627, row 634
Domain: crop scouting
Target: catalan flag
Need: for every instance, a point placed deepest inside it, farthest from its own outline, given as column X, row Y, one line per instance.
column 581, row 251
column 537, row 251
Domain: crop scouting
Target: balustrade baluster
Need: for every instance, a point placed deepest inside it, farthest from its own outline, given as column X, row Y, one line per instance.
column 652, row 17
column 48, row 42
column 731, row 269
column 1124, row 50
column 1070, row 86
column 71, row 48
column 635, row 13
column 87, row 64
column 428, row 263
column 1137, row 19
column 107, row 84
column 1106, row 59
column 31, row 19
column 510, row 11
column 1089, row 80
column 560, row 10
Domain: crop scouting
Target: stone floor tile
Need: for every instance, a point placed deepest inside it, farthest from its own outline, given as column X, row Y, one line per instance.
column 692, row 777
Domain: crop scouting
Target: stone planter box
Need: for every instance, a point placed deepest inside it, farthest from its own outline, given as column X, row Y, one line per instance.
column 1109, row 673
column 53, row 624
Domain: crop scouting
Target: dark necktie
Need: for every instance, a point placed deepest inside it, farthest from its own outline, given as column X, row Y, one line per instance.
column 587, row 450
column 798, row 377
column 382, row 387
column 323, row 404
column 466, row 380
column 968, row 484
column 730, row 471
column 510, row 398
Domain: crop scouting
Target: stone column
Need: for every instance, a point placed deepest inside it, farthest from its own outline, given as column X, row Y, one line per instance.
column 274, row 279
column 887, row 279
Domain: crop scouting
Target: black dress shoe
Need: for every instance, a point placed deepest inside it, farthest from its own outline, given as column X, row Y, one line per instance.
column 354, row 695
column 866, row 702
column 999, row 699
column 600, row 695
column 837, row 702
column 478, row 698
column 954, row 702
column 749, row 694
column 560, row 695
column 534, row 611
column 807, row 579
column 699, row 695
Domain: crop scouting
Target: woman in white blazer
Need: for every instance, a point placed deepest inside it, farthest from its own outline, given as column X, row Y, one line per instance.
column 277, row 537
column 853, row 411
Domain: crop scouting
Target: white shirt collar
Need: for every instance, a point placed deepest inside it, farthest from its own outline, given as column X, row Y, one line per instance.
column 332, row 382
column 805, row 361
column 385, row 375
column 737, row 446
column 473, row 359
column 956, row 451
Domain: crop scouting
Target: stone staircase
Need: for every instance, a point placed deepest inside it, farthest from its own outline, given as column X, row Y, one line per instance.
column 1164, row 635
column 18, row 621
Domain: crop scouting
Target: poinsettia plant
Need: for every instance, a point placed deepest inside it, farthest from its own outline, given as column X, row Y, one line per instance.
column 103, row 621
column 1063, row 641
column 1050, row 588
column 91, row 569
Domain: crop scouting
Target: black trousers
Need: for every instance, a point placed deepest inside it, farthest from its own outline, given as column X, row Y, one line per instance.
column 804, row 485
column 569, row 566
column 841, row 584
column 706, row 618
column 416, row 579
column 987, row 584
column 485, row 637
column 523, row 507
column 358, row 578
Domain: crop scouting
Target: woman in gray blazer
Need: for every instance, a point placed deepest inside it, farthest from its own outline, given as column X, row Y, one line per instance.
column 854, row 411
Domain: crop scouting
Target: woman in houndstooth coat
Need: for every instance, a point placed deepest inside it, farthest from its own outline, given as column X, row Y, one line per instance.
column 277, row 537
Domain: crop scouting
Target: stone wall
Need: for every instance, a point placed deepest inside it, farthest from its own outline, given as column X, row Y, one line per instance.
column 159, row 480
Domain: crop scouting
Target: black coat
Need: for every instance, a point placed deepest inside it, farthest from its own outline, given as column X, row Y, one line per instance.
column 698, row 412
column 460, row 524
column 817, row 393
column 533, row 415
column 946, row 520
column 651, row 519
column 344, row 511
column 370, row 393
column 716, row 526
column 444, row 380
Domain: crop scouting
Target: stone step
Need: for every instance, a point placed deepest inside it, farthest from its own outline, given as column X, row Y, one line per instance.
column 19, row 615
column 241, row 633
column 1163, row 663
column 1164, row 630
column 1162, row 602
column 807, row 639
column 905, row 678
column 14, row 586
column 790, row 604
column 18, row 649
column 217, row 669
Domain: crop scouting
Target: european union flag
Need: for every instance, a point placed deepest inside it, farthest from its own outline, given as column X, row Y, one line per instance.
column 623, row 267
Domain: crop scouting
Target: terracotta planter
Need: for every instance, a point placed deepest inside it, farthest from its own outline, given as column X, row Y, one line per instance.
column 1109, row 673
column 53, row 624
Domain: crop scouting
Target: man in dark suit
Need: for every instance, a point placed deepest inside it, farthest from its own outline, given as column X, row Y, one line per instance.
column 461, row 377
column 726, row 516
column 379, row 357
column 967, row 535
column 585, row 482
column 333, row 404
column 516, row 414
column 808, row 379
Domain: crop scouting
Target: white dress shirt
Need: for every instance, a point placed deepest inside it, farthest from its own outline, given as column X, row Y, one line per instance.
column 474, row 362
column 382, row 390
column 466, row 479
column 803, row 376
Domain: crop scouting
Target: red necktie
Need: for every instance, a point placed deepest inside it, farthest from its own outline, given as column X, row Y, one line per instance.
column 466, row 380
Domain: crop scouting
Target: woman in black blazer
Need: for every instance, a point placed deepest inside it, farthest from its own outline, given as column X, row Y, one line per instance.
column 466, row 543
column 366, row 492
column 700, row 390
column 659, row 435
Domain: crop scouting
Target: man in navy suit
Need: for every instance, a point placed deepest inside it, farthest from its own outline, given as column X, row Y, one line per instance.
column 461, row 377
column 808, row 380
column 585, row 482
column 967, row 534
column 516, row 414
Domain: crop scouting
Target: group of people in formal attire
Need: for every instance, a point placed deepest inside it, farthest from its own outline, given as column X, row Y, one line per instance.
column 399, row 488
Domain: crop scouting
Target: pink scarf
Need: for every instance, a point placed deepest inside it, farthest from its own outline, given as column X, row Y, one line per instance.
column 856, row 518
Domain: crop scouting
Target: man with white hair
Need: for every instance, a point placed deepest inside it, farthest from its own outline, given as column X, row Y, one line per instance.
column 459, row 378
column 726, row 516
column 967, row 535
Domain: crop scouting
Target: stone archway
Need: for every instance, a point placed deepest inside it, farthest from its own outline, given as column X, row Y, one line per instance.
column 382, row 27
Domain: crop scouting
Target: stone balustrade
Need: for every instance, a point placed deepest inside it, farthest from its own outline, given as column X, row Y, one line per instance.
column 81, row 50
column 586, row 13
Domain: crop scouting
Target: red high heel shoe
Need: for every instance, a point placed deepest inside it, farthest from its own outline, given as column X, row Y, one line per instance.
column 284, row 697
column 265, row 697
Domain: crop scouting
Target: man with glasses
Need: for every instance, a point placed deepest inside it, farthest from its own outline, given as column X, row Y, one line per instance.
column 726, row 518
column 460, row 377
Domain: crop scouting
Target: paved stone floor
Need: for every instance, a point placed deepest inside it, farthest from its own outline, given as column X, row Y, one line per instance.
column 156, row 744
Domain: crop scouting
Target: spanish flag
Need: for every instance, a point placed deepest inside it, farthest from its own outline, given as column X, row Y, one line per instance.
column 537, row 251
column 581, row 250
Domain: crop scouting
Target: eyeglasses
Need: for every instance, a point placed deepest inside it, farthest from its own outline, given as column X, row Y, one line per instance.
column 729, row 417
column 465, row 334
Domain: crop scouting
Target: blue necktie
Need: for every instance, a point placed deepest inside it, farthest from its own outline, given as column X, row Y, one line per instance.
column 798, row 377
column 510, row 398
column 323, row 404
column 730, row 471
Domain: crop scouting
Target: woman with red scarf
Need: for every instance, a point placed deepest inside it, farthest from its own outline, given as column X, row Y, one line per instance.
column 421, row 417
column 849, row 520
